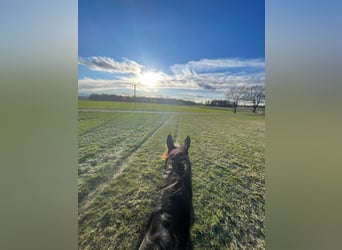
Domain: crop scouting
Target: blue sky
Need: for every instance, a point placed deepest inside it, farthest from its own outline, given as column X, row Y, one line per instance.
column 193, row 50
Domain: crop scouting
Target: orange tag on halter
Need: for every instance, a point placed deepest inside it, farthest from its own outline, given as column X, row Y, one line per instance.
column 165, row 155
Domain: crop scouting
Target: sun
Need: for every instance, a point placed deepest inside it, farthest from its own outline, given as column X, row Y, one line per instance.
column 149, row 79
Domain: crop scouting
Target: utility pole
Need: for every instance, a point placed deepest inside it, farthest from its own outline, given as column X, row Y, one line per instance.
column 135, row 98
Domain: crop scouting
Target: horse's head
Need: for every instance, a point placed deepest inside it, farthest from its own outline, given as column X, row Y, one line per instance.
column 177, row 155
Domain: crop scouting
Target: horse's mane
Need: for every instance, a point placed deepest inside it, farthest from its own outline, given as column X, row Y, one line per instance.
column 169, row 224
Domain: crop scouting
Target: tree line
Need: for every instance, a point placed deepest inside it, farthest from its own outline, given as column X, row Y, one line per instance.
column 219, row 103
column 139, row 99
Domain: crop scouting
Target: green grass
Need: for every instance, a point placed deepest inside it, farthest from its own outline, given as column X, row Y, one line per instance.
column 227, row 155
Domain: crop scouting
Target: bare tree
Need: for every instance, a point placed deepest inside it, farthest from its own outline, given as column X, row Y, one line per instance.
column 255, row 94
column 235, row 94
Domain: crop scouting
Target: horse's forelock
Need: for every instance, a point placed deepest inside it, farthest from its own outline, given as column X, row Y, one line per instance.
column 164, row 155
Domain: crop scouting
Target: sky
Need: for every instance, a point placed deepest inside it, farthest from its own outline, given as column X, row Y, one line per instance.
column 193, row 50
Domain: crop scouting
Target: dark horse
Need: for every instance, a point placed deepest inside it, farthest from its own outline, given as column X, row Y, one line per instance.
column 169, row 224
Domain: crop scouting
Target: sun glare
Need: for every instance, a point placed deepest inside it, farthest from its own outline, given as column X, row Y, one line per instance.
column 149, row 79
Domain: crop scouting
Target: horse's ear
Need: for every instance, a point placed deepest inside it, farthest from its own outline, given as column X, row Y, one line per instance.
column 169, row 142
column 187, row 143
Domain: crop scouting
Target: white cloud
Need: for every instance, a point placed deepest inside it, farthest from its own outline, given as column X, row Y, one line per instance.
column 214, row 75
column 107, row 64
column 102, row 85
column 212, row 65
column 219, row 74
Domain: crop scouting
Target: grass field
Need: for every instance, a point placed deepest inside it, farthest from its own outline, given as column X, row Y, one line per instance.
column 120, row 172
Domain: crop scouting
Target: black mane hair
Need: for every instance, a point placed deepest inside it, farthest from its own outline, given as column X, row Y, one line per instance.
column 169, row 224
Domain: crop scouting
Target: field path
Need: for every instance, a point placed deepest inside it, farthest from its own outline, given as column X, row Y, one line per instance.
column 92, row 195
column 142, row 111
